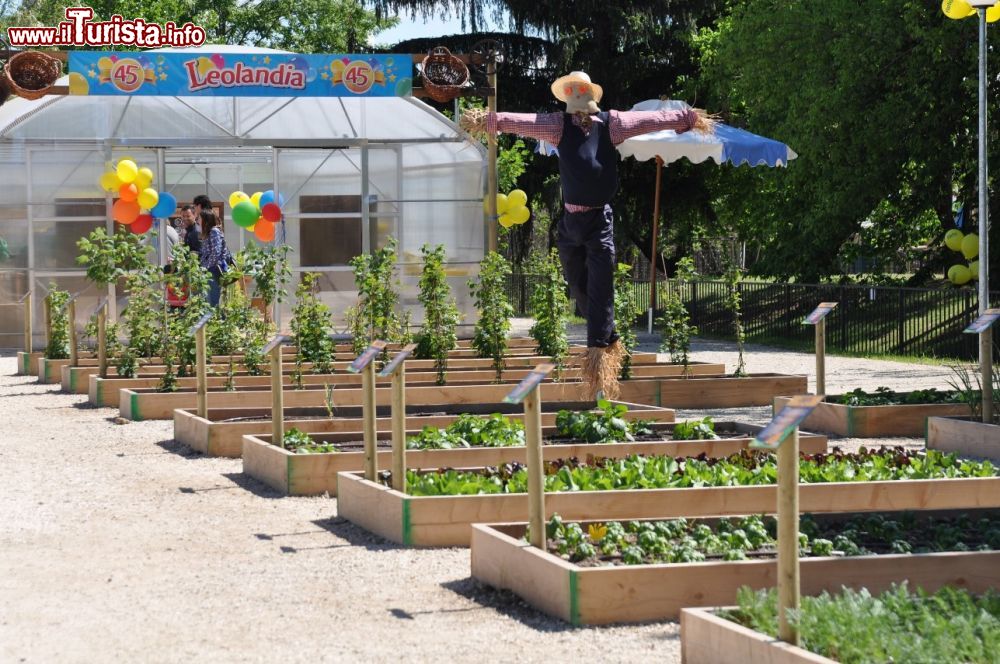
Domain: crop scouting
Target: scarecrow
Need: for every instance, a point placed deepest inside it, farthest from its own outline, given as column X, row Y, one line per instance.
column 588, row 169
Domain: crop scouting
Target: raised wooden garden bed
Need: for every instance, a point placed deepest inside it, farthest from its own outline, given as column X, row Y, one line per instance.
column 316, row 474
column 874, row 421
column 589, row 595
column 964, row 437
column 27, row 363
column 447, row 520
column 708, row 639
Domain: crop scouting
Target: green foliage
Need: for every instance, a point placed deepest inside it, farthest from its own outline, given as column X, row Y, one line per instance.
column 269, row 268
column 883, row 396
column 376, row 315
column 854, row 626
column 608, row 425
column 59, row 322
column 299, row 442
column 675, row 321
column 110, row 257
column 967, row 388
column 311, row 326
column 734, row 303
column 179, row 343
column 626, row 312
column 127, row 365
column 143, row 315
column 437, row 335
column 470, row 431
column 695, row 430
column 550, row 309
column 489, row 292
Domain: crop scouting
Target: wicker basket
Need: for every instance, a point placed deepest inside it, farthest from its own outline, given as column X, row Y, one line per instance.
column 443, row 74
column 31, row 74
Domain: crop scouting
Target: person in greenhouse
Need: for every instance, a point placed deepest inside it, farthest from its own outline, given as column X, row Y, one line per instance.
column 588, row 171
column 214, row 256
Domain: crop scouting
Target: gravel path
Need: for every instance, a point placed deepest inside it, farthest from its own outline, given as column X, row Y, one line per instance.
column 117, row 544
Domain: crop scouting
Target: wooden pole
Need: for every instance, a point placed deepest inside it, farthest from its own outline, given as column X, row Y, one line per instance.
column 102, row 342
column 201, row 371
column 277, row 398
column 368, row 388
column 27, row 323
column 986, row 367
column 48, row 322
column 788, row 536
column 71, row 315
column 536, row 468
column 399, row 429
column 652, row 252
column 491, row 158
column 821, row 357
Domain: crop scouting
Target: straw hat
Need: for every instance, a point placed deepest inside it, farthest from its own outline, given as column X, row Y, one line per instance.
column 575, row 77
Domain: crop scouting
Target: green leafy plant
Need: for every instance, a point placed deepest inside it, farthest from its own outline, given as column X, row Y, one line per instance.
column 59, row 322
column 179, row 343
column 299, row 442
column 268, row 266
column 550, row 309
column 626, row 312
column 110, row 257
column 734, row 304
column 311, row 327
column 495, row 310
column 608, row 425
column 377, row 316
column 883, row 396
column 437, row 335
column 470, row 431
column 967, row 387
column 675, row 322
column 143, row 315
column 703, row 429
column 127, row 365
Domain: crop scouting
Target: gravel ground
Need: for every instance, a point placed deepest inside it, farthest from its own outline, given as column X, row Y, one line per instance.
column 116, row 544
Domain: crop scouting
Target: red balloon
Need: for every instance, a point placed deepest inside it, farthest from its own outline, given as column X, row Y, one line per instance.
column 271, row 212
column 141, row 224
column 125, row 212
column 264, row 230
column 128, row 192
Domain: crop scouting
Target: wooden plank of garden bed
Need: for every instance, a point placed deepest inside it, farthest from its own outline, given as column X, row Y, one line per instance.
column 27, row 363
column 708, row 639
column 875, row 421
column 964, row 437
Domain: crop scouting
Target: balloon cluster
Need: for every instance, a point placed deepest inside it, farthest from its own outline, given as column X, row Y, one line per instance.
column 968, row 246
column 133, row 186
column 512, row 208
column 959, row 9
column 258, row 213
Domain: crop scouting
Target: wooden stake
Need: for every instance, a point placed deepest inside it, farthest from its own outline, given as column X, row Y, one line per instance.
column 788, row 536
column 277, row 398
column 27, row 323
column 986, row 367
column 536, row 468
column 399, row 429
column 71, row 315
column 102, row 342
column 821, row 357
column 201, row 370
column 652, row 252
column 368, row 388
column 48, row 322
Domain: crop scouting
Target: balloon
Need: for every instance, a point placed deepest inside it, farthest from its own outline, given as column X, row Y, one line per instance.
column 519, row 214
column 218, row 60
column 953, row 239
column 271, row 212
column 245, row 214
column 970, row 246
column 164, row 207
column 270, row 196
column 125, row 212
column 506, row 221
column 974, row 269
column 144, row 178
column 264, row 230
column 516, row 198
column 148, row 198
column 993, row 13
column 502, row 203
column 110, row 182
column 141, row 224
column 127, row 170
column 128, row 192
column 959, row 274
column 236, row 197
column 78, row 85
column 255, row 199
column 957, row 8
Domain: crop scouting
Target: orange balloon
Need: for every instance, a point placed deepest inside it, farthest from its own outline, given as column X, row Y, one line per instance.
column 128, row 192
column 264, row 230
column 125, row 212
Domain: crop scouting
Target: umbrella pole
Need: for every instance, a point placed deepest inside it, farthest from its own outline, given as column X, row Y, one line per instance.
column 652, row 253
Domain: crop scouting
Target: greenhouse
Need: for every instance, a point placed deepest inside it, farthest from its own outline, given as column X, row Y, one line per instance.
column 353, row 172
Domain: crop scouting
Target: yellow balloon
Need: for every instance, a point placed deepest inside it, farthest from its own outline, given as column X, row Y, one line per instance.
column 970, row 246
column 110, row 182
column 148, row 198
column 105, row 63
column 255, row 199
column 78, row 85
column 502, row 203
column 517, row 197
column 974, row 269
column 957, row 8
column 127, row 171
column 959, row 275
column 144, row 178
column 205, row 65
column 519, row 214
column 953, row 239
column 236, row 198
column 506, row 221
column 993, row 13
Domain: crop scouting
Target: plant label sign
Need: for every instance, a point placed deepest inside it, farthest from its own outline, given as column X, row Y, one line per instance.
column 791, row 416
column 273, row 343
column 200, row 324
column 529, row 383
column 819, row 313
column 397, row 360
column 100, row 305
column 984, row 322
column 363, row 360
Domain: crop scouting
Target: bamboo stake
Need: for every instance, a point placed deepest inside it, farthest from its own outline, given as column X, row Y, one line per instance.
column 536, row 469
column 277, row 398
column 201, row 370
column 368, row 387
column 821, row 357
column 788, row 536
column 102, row 342
column 27, row 323
column 71, row 315
column 399, row 429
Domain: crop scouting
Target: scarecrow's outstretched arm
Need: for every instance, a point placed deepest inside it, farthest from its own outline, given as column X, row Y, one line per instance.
column 541, row 126
column 626, row 124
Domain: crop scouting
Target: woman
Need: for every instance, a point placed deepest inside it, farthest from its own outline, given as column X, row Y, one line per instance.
column 214, row 255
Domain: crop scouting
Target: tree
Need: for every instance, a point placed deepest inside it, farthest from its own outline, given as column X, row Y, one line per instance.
column 437, row 335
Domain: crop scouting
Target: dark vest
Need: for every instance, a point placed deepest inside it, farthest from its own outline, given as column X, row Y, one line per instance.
column 588, row 164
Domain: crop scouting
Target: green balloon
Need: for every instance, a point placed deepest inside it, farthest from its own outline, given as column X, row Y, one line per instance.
column 245, row 214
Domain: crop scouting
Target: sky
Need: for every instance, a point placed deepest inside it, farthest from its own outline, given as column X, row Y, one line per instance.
column 418, row 27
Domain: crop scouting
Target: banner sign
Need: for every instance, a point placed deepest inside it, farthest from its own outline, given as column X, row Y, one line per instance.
column 201, row 74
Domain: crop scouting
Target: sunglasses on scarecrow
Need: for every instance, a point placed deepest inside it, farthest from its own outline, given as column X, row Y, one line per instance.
column 580, row 89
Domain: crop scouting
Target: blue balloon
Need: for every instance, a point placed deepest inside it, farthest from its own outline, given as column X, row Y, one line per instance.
column 165, row 207
column 270, row 197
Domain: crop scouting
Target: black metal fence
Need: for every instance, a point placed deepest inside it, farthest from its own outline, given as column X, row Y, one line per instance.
column 875, row 320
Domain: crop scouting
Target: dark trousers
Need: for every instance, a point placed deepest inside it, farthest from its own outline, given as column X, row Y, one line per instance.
column 587, row 251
